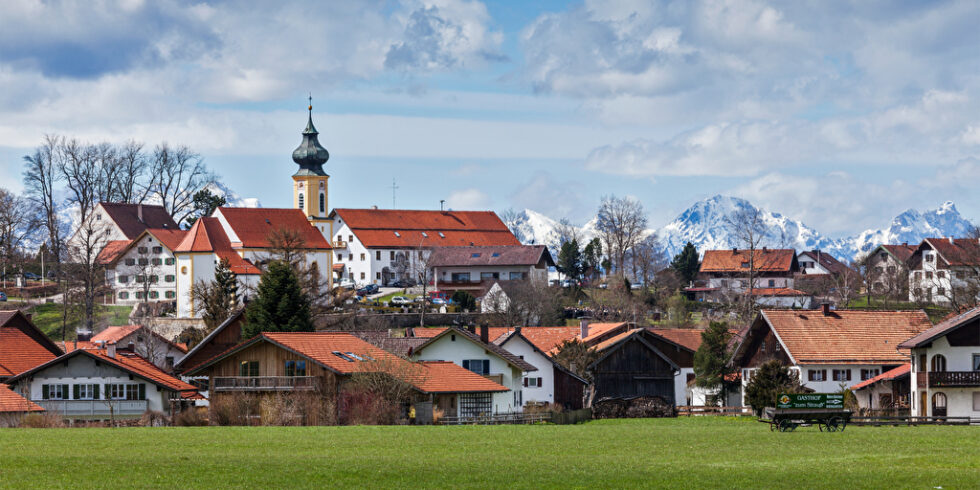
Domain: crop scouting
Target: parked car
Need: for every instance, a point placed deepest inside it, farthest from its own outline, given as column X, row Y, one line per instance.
column 369, row 289
column 400, row 300
column 3, row 296
column 419, row 299
column 32, row 276
column 636, row 286
column 347, row 284
column 440, row 301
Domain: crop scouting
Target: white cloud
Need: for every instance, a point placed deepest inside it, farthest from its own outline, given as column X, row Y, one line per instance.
column 468, row 199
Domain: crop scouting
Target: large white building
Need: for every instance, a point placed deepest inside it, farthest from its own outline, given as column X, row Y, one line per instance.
column 145, row 268
column 945, row 270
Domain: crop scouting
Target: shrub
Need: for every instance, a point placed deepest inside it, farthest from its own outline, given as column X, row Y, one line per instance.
column 771, row 379
column 235, row 409
column 41, row 421
column 152, row 418
column 191, row 417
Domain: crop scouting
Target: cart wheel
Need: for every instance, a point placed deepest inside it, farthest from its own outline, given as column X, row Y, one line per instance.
column 835, row 424
column 786, row 426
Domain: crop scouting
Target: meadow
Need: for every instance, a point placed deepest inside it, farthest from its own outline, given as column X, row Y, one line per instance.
column 675, row 453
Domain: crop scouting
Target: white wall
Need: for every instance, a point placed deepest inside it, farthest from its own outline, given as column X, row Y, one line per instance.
column 546, row 392
column 959, row 401
column 131, row 287
column 447, row 349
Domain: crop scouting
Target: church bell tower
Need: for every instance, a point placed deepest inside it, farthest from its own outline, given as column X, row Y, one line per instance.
column 310, row 181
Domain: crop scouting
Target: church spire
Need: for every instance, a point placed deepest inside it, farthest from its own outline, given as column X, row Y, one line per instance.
column 309, row 155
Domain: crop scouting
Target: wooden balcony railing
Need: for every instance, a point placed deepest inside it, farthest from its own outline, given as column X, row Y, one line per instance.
column 954, row 379
column 338, row 244
column 265, row 383
column 94, row 408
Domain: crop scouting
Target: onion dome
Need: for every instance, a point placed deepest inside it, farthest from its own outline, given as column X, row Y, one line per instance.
column 310, row 155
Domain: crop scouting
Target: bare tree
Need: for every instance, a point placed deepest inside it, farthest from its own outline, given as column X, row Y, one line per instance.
column 647, row 258
column 621, row 222
column 175, row 174
column 565, row 232
column 289, row 246
column 420, row 267
column 41, row 175
column 523, row 303
column 13, row 227
column 752, row 235
column 132, row 163
column 512, row 219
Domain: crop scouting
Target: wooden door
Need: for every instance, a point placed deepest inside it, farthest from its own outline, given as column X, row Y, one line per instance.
column 923, row 400
column 939, row 405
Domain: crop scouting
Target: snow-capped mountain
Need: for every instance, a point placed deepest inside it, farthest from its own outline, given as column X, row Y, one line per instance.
column 532, row 227
column 708, row 225
column 232, row 199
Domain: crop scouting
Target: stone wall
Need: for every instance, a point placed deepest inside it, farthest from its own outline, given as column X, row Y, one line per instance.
column 385, row 321
column 170, row 328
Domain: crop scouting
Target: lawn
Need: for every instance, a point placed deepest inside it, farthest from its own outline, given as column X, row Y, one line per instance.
column 47, row 317
column 683, row 453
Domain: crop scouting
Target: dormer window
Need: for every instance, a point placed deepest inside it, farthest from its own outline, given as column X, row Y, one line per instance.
column 476, row 255
column 399, row 235
column 424, row 235
column 745, row 265
column 441, row 235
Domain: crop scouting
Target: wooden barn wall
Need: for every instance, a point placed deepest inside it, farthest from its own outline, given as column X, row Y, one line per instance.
column 634, row 370
column 229, row 337
column 755, row 355
column 568, row 390
column 681, row 356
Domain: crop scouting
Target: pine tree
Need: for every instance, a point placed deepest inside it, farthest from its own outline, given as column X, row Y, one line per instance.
column 769, row 381
column 686, row 263
column 227, row 281
column 592, row 258
column 280, row 305
column 711, row 367
column 570, row 260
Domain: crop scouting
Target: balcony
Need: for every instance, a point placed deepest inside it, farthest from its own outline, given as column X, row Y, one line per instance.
column 496, row 378
column 338, row 244
column 94, row 408
column 265, row 383
column 954, row 379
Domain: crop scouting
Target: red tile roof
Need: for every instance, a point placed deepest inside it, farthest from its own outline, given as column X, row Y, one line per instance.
column 12, row 402
column 207, row 235
column 605, row 344
column 446, row 377
column 828, row 261
column 958, row 251
column 112, row 251
column 845, row 336
column 490, row 347
column 685, row 337
column 768, row 260
column 127, row 217
column 901, row 252
column 941, row 328
column 524, row 255
column 396, row 228
column 115, row 334
column 70, row 345
column 885, row 376
column 778, row 292
column 115, row 249
column 168, row 237
column 254, row 226
column 22, row 345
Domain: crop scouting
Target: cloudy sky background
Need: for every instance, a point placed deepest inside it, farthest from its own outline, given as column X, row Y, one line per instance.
column 841, row 114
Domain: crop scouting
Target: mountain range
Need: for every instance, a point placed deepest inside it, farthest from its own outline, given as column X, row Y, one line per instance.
column 708, row 225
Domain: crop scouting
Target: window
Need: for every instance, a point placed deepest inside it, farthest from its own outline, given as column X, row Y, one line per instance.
column 976, row 401
column 350, row 238
column 891, row 269
column 86, row 392
column 487, row 276
column 817, row 374
column 941, row 291
column 516, row 276
column 183, row 270
column 941, row 274
column 762, row 347
column 323, row 202
column 938, row 363
column 248, row 368
column 154, row 279
column 157, row 250
column 123, row 295
column 392, row 255
column 772, row 283
column 123, row 279
column 461, row 277
column 54, row 392
column 475, row 255
column 917, row 276
column 168, row 261
column 154, row 294
column 143, row 261
column 140, row 278
column 377, row 255
column 295, row 368
column 169, row 278
column 474, row 404
column 156, row 261
column 478, row 366
column 441, row 235
column 869, row 373
column 139, row 294
column 928, row 257
column 300, row 200
column 928, row 274
column 377, row 275
column 119, row 391
column 976, row 362
column 879, row 269
column 98, row 217
column 130, row 261
column 363, row 256
column 399, row 235
column 532, row 382
column 362, row 276
column 425, row 235
column 842, row 374
column 745, row 265
column 169, row 294
column 142, row 250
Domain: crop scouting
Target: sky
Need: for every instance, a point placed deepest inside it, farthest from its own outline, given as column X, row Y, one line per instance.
column 840, row 114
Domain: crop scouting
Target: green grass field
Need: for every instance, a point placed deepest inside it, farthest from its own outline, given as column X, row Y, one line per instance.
column 48, row 317
column 676, row 453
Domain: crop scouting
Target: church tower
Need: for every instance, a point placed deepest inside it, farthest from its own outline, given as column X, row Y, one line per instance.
column 310, row 181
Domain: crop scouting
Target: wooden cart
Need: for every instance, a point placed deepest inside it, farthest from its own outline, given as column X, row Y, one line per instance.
column 788, row 419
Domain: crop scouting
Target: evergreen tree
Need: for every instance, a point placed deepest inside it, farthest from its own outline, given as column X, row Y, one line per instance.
column 686, row 263
column 227, row 281
column 570, row 260
column 280, row 305
column 204, row 203
column 592, row 258
column 768, row 382
column 712, row 369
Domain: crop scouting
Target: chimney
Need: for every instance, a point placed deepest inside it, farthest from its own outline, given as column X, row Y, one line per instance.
column 139, row 212
column 734, row 250
column 484, row 334
column 517, row 330
column 764, row 250
column 905, row 244
column 584, row 324
column 111, row 350
column 826, row 308
column 131, row 347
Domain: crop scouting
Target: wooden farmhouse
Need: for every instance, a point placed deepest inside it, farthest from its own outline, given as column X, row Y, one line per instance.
column 22, row 345
column 630, row 365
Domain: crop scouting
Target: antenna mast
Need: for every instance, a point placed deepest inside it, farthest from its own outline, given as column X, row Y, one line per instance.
column 393, row 189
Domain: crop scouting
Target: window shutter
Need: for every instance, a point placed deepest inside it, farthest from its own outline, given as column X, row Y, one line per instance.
column 95, row 391
column 539, row 383
column 76, row 394
column 848, row 374
column 44, row 392
column 486, row 366
column 64, row 391
column 108, row 393
column 525, row 382
column 142, row 391
column 466, row 363
column 823, row 374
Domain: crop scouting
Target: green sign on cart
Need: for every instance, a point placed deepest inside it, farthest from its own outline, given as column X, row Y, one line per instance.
column 810, row 400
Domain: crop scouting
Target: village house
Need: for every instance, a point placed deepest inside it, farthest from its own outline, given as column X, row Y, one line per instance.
column 150, row 345
column 143, row 269
column 680, row 344
column 14, row 407
column 725, row 274
column 476, row 269
column 887, row 269
column 22, row 345
column 829, row 350
column 385, row 246
column 945, row 270
column 818, row 263
column 945, row 368
column 630, row 365
column 886, row 393
column 319, row 364
column 100, row 382
column 115, row 225
column 478, row 354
